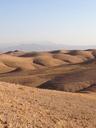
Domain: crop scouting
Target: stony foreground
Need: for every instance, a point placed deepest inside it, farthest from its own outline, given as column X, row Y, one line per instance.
column 26, row 107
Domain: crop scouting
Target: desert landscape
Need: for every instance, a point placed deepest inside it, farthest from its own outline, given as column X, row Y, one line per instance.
column 48, row 89
column 48, row 64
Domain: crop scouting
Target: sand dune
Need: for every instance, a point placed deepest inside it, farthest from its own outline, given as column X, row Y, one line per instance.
column 4, row 68
column 72, row 82
column 61, row 92
column 86, row 54
column 69, row 58
column 13, row 61
column 66, row 70
column 35, row 54
column 47, row 60
column 56, row 57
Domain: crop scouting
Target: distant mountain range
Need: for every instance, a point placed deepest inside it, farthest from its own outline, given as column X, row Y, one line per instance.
column 39, row 46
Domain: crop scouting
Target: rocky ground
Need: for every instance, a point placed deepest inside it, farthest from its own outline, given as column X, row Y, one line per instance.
column 27, row 107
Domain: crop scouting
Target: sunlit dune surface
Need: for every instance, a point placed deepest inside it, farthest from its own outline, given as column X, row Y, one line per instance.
column 13, row 61
column 46, row 60
column 65, row 70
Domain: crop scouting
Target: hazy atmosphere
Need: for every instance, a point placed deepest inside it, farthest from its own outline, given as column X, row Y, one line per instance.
column 71, row 22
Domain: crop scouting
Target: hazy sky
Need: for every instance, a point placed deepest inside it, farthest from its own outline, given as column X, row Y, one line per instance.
column 62, row 21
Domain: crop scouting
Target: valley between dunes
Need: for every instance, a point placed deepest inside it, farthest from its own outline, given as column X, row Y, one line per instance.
column 52, row 89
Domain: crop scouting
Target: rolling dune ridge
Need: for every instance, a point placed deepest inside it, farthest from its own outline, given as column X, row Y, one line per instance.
column 65, row 70
column 54, row 89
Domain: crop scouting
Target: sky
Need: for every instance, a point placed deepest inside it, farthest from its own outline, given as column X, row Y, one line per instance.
column 71, row 22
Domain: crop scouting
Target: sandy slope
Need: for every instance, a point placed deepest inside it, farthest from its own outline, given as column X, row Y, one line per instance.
column 13, row 61
column 66, row 70
column 25, row 107
column 74, row 81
